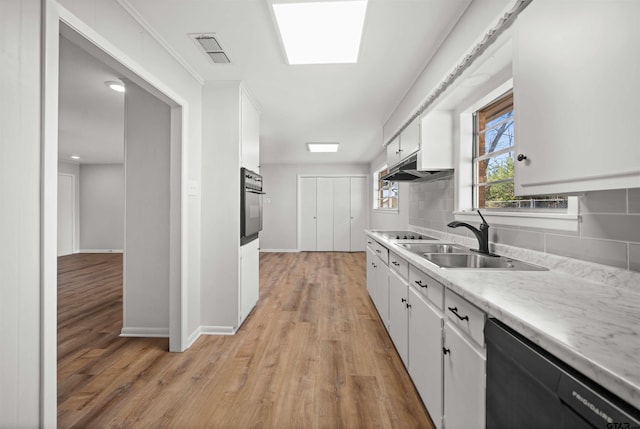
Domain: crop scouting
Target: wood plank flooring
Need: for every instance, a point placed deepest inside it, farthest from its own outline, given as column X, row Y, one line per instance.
column 313, row 354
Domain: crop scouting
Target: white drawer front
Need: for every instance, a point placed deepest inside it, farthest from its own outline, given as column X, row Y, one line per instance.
column 427, row 286
column 468, row 318
column 399, row 265
column 382, row 252
column 378, row 249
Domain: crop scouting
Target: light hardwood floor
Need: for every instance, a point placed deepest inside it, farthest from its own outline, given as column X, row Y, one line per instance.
column 313, row 354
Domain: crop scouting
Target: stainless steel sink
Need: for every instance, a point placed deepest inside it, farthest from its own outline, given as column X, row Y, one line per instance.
column 478, row 261
column 421, row 248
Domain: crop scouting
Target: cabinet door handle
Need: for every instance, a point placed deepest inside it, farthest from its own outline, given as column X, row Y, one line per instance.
column 419, row 283
column 521, row 157
column 408, row 305
column 454, row 310
column 374, row 266
column 378, row 250
column 403, row 300
column 446, row 351
column 395, row 263
column 368, row 242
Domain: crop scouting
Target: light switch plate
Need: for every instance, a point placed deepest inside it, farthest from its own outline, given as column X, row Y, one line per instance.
column 194, row 188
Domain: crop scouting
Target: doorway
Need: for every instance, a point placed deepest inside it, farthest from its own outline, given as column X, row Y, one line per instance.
column 66, row 214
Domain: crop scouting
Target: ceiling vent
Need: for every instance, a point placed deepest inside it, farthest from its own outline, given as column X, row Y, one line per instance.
column 210, row 45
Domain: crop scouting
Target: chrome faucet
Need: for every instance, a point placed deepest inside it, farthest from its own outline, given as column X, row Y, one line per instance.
column 481, row 234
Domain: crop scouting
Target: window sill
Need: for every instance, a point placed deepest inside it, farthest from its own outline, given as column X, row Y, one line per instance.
column 389, row 211
column 557, row 221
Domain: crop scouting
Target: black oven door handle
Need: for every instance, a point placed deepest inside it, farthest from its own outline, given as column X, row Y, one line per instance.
column 256, row 192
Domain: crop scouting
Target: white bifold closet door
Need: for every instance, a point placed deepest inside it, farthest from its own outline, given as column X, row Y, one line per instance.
column 358, row 213
column 333, row 213
column 341, row 214
column 308, row 215
column 324, row 210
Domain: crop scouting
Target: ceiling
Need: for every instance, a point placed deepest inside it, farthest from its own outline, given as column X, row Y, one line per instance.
column 91, row 116
column 345, row 103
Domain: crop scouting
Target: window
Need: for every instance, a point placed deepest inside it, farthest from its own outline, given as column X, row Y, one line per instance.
column 493, row 161
column 385, row 194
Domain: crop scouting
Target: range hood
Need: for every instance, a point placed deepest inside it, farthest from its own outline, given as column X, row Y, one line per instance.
column 407, row 171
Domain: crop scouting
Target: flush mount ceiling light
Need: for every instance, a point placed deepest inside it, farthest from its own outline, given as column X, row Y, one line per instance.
column 324, row 32
column 116, row 85
column 75, row 157
column 323, row 147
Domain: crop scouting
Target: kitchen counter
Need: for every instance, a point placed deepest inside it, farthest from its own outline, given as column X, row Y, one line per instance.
column 593, row 327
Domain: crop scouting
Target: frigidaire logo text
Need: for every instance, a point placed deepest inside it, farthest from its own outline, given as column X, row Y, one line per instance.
column 592, row 407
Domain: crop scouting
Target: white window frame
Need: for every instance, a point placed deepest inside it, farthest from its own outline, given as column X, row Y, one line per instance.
column 376, row 200
column 464, row 211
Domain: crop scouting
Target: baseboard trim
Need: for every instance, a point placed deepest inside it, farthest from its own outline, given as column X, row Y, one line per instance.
column 145, row 332
column 280, row 250
column 193, row 337
column 101, row 251
column 218, row 330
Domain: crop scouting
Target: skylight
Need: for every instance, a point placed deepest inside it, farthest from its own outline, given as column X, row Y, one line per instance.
column 324, row 32
column 323, row 147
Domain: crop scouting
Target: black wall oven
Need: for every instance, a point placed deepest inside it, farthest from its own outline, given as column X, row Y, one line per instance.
column 250, row 205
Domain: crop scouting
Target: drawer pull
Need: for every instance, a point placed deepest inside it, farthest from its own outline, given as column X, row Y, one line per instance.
column 395, row 263
column 403, row 300
column 368, row 242
column 454, row 310
column 419, row 283
column 446, row 351
column 408, row 305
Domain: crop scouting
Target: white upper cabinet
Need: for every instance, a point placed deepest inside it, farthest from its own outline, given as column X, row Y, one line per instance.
column 393, row 152
column 250, row 133
column 436, row 147
column 410, row 139
column 407, row 143
column 577, row 96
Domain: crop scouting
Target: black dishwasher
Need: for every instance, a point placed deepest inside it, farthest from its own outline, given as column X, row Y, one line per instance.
column 529, row 388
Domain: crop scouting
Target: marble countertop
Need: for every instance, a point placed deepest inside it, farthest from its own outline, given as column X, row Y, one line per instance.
column 592, row 326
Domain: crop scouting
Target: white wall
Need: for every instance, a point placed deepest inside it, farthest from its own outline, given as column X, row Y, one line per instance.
column 101, row 207
column 389, row 220
column 146, row 257
column 220, row 204
column 470, row 29
column 73, row 169
column 280, row 208
column 156, row 65
column 20, row 269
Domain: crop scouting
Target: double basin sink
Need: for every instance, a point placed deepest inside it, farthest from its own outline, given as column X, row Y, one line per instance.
column 451, row 256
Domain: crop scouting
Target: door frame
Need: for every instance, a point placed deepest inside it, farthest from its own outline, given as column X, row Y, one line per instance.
column 55, row 19
column 74, row 215
column 298, row 199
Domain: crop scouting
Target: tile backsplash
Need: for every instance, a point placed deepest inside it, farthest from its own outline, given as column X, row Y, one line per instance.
column 608, row 233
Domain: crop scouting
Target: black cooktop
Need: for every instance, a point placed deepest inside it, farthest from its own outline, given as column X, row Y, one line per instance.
column 404, row 235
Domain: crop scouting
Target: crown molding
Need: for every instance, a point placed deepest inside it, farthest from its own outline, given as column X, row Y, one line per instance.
column 149, row 29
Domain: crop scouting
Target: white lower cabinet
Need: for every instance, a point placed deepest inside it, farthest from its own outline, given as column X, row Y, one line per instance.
column 371, row 272
column 464, row 365
column 464, row 382
column 439, row 337
column 249, row 278
column 398, row 314
column 425, row 353
column 378, row 278
column 381, row 298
